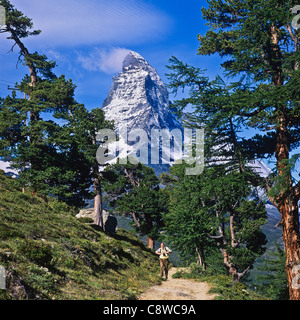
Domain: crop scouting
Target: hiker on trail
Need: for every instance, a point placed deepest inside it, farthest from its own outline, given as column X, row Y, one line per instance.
column 163, row 253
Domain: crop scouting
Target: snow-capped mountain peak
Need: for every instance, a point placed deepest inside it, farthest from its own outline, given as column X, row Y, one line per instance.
column 138, row 98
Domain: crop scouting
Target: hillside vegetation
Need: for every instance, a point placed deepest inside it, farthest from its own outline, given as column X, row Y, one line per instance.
column 48, row 254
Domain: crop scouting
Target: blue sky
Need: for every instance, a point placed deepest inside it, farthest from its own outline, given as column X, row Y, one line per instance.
column 90, row 38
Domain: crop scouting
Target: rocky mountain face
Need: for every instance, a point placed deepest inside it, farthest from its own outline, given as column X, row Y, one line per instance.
column 138, row 99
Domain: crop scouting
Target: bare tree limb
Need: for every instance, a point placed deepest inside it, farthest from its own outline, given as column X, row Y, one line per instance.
column 215, row 237
column 129, row 175
column 268, row 187
column 136, row 220
column 241, row 274
column 253, row 113
column 297, row 190
column 279, row 223
column 293, row 36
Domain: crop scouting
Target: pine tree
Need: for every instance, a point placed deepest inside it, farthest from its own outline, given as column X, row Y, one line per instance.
column 259, row 45
column 133, row 190
column 214, row 211
column 35, row 147
column 260, row 41
column 272, row 280
column 83, row 127
column 187, row 222
column 58, row 156
column 212, row 104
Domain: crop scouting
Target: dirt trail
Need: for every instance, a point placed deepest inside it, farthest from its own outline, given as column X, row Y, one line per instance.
column 178, row 289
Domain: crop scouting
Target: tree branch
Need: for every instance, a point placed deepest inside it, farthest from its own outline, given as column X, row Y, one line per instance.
column 253, row 113
column 131, row 179
column 297, row 190
column 25, row 53
column 12, row 48
column 295, row 39
column 267, row 187
column 136, row 220
column 215, row 237
column 293, row 36
column 241, row 274
column 278, row 224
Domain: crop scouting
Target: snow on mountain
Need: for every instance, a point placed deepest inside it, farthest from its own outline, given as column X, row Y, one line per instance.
column 260, row 168
column 138, row 99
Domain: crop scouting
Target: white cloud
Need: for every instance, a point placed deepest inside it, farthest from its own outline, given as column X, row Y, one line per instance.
column 94, row 22
column 107, row 60
column 54, row 54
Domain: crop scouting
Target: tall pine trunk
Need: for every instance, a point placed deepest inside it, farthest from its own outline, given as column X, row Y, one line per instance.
column 290, row 230
column 34, row 135
column 287, row 200
column 98, row 213
column 150, row 243
column 201, row 257
column 287, row 205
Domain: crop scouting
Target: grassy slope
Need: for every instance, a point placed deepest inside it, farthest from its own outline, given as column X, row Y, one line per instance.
column 49, row 254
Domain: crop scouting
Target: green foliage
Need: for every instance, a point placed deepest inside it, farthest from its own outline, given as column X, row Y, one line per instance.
column 49, row 137
column 258, row 43
column 187, row 222
column 211, row 212
column 58, row 163
column 259, row 47
column 134, row 190
column 260, row 50
column 271, row 280
column 16, row 19
column 228, row 289
column 242, row 31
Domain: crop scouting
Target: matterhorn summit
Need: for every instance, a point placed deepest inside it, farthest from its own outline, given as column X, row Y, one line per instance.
column 138, row 99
